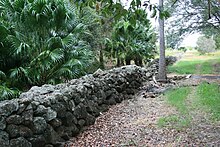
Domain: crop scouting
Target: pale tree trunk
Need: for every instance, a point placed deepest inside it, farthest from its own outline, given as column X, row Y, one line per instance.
column 162, row 61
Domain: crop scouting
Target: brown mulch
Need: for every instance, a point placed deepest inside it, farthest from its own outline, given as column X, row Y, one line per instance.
column 134, row 123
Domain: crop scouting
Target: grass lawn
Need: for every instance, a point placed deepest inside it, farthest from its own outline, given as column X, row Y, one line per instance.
column 205, row 100
column 177, row 99
column 194, row 63
column 209, row 97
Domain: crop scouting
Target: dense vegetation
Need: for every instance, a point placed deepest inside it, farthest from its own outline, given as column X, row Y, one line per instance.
column 51, row 41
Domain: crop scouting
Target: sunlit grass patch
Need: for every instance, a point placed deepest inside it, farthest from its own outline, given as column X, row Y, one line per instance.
column 193, row 63
column 184, row 67
column 209, row 97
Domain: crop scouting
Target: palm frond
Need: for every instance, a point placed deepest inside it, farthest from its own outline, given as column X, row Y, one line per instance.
column 7, row 93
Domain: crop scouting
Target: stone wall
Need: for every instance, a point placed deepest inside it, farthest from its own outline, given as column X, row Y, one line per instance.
column 49, row 115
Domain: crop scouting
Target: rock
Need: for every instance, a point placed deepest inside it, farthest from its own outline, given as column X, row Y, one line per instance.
column 47, row 113
column 103, row 108
column 69, row 119
column 90, row 119
column 39, row 125
column 20, row 142
column 14, row 119
column 8, row 106
column 49, row 145
column 25, row 131
column 92, row 107
column 60, row 109
column 81, row 122
column 27, row 117
column 2, row 123
column 55, row 122
column 13, row 131
column 71, row 105
column 37, row 141
column 18, row 131
column 80, row 111
column 50, row 115
column 51, row 136
column 4, row 139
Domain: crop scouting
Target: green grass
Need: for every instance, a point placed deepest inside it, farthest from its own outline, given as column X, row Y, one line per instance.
column 184, row 67
column 209, row 97
column 177, row 98
column 193, row 63
column 206, row 98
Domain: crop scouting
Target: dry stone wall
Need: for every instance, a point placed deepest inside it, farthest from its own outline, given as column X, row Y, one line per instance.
column 51, row 114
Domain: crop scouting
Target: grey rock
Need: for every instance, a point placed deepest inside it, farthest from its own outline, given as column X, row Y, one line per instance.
column 18, row 131
column 60, row 109
column 37, row 141
column 80, row 111
column 81, row 122
column 90, row 119
column 51, row 114
column 71, row 105
column 13, row 131
column 39, row 125
column 69, row 119
column 14, row 119
column 51, row 135
column 4, row 139
column 20, row 142
column 2, row 123
column 7, row 107
column 41, row 109
column 27, row 116
column 55, row 122
column 47, row 113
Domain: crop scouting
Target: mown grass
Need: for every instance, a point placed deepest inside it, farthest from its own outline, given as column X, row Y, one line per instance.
column 177, row 99
column 206, row 98
column 209, row 97
column 194, row 63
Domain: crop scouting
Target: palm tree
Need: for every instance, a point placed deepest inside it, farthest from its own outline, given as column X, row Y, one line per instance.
column 45, row 39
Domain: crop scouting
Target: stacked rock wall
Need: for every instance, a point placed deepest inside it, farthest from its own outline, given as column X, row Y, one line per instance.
column 48, row 115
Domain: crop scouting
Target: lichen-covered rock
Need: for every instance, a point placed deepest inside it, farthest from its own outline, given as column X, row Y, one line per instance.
column 14, row 119
column 7, row 107
column 18, row 131
column 2, row 123
column 20, row 142
column 39, row 125
column 80, row 111
column 4, row 139
column 37, row 140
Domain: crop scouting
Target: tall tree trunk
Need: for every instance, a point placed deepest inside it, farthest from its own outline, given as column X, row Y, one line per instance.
column 162, row 61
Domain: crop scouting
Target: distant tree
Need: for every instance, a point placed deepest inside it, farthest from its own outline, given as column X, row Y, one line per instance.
column 205, row 45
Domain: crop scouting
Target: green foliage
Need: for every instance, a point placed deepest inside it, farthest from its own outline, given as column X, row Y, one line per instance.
column 53, row 41
column 133, row 41
column 205, row 45
column 209, row 97
column 41, row 43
